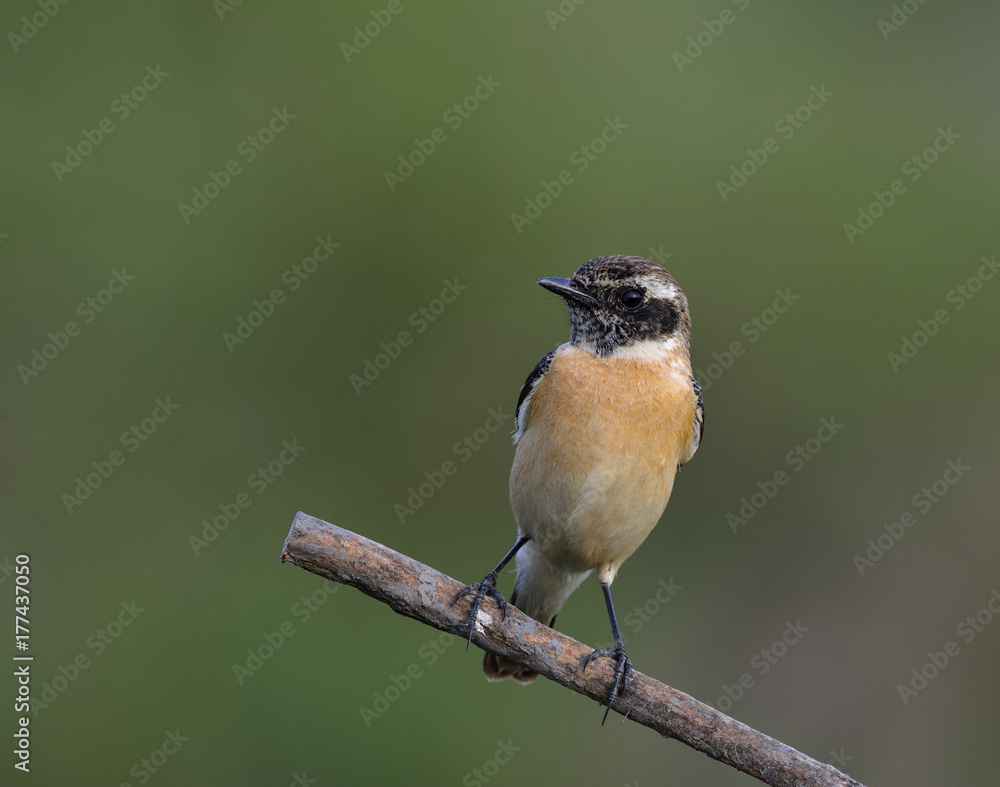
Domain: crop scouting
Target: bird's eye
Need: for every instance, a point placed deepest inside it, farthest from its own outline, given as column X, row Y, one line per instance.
column 632, row 299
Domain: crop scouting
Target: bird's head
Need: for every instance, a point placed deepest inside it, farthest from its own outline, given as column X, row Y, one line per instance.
column 624, row 305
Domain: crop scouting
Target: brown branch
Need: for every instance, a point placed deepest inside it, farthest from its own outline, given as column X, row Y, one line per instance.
column 425, row 594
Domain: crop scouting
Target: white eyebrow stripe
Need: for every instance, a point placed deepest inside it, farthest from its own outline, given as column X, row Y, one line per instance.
column 661, row 290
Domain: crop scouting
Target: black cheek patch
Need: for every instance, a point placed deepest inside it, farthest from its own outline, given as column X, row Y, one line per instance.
column 658, row 318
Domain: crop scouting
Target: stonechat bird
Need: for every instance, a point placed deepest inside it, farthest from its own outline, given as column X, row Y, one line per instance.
column 603, row 424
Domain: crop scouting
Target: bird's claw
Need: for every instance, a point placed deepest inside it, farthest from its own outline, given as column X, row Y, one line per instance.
column 623, row 668
column 487, row 587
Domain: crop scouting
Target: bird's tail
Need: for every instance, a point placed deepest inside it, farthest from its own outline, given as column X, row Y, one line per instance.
column 540, row 591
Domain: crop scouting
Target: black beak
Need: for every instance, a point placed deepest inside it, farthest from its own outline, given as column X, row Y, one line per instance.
column 565, row 288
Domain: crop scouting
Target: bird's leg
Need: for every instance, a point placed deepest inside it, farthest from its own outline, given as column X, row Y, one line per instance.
column 488, row 587
column 623, row 667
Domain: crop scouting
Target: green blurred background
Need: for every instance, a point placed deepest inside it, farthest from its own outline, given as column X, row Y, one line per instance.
column 215, row 76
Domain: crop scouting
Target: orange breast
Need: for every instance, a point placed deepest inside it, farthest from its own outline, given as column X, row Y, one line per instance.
column 595, row 464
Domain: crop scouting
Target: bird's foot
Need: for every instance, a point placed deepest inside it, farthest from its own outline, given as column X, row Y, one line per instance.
column 623, row 668
column 488, row 587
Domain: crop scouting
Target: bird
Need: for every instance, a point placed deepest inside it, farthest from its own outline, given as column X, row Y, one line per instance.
column 602, row 425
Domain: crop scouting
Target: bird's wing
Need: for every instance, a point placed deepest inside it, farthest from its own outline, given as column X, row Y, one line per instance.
column 697, row 428
column 524, row 400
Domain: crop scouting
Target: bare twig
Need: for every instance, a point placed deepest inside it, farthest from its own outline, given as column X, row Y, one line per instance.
column 425, row 594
